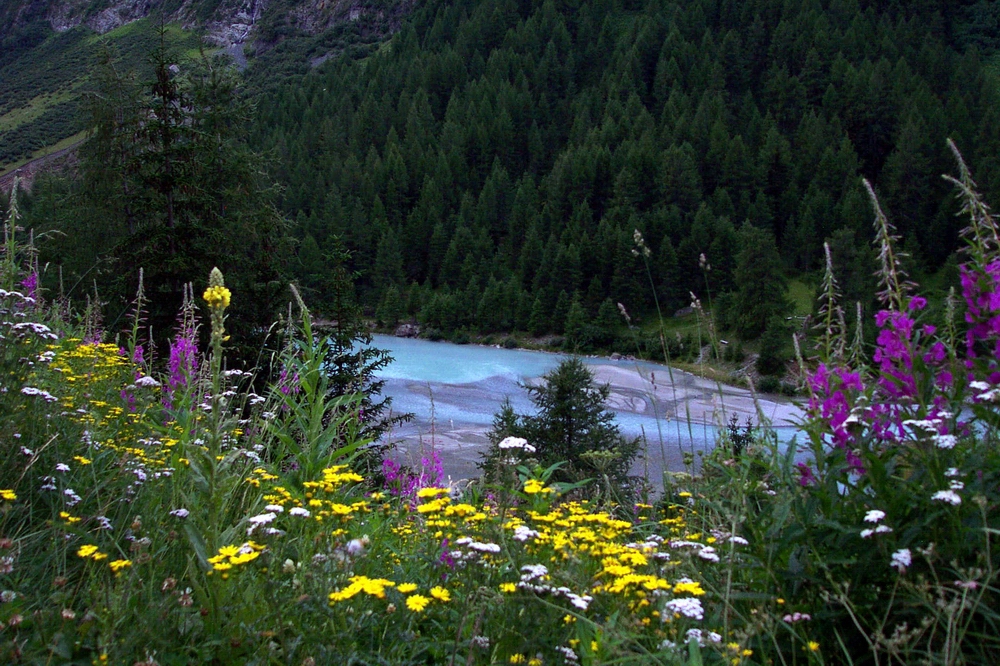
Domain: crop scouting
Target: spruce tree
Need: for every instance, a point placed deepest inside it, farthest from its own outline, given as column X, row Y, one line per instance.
column 760, row 293
column 571, row 421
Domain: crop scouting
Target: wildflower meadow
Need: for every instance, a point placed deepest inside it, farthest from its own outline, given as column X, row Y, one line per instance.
column 171, row 510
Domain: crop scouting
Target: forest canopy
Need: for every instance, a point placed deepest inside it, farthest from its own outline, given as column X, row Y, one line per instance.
column 501, row 154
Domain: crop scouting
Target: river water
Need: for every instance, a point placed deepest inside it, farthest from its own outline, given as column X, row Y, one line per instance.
column 454, row 391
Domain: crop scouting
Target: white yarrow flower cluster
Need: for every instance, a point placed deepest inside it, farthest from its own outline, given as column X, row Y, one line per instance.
column 509, row 443
column 523, row 533
column 44, row 395
column 688, row 607
column 949, row 496
column 901, row 559
column 533, row 578
column 945, row 441
column 703, row 636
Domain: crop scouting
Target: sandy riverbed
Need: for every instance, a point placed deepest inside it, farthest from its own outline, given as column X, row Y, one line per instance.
column 674, row 410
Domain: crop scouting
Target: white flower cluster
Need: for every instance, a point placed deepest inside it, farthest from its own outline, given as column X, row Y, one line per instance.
column 986, row 393
column 792, row 618
column 41, row 330
column 475, row 550
column 704, row 552
column 516, row 443
column 703, row 636
column 523, row 533
column 478, row 546
column 533, row 580
column 72, row 499
column 945, row 441
column 17, row 295
column 949, row 496
column 689, row 607
column 874, row 516
column 901, row 559
column 45, row 395
column 649, row 548
column 568, row 654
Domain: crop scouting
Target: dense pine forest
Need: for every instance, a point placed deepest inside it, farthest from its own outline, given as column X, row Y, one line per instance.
column 488, row 167
column 527, row 166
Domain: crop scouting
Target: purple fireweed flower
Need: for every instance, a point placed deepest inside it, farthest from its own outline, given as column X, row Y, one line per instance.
column 857, row 466
column 981, row 291
column 129, row 399
column 432, row 470
column 288, row 385
column 936, row 354
column 446, row 558
column 30, row 285
column 183, row 364
column 833, row 398
column 806, row 476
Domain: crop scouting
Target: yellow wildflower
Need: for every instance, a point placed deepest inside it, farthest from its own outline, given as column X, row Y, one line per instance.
column 534, row 486
column 86, row 551
column 406, row 588
column 243, row 558
column 417, row 603
column 8, row 495
column 813, row 646
column 690, row 587
column 433, row 506
column 118, row 565
column 508, row 587
column 217, row 297
column 431, row 492
column 440, row 593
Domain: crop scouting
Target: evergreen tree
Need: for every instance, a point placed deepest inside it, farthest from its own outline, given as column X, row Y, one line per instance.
column 774, row 348
column 572, row 422
column 577, row 329
column 168, row 173
column 352, row 364
column 760, row 292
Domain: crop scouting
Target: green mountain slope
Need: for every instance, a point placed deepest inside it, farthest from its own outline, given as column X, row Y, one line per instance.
column 41, row 91
column 49, row 47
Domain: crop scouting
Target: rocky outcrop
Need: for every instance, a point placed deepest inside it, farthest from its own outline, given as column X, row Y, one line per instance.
column 407, row 331
column 225, row 23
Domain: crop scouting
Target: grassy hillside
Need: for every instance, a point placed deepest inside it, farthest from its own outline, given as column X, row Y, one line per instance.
column 41, row 91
